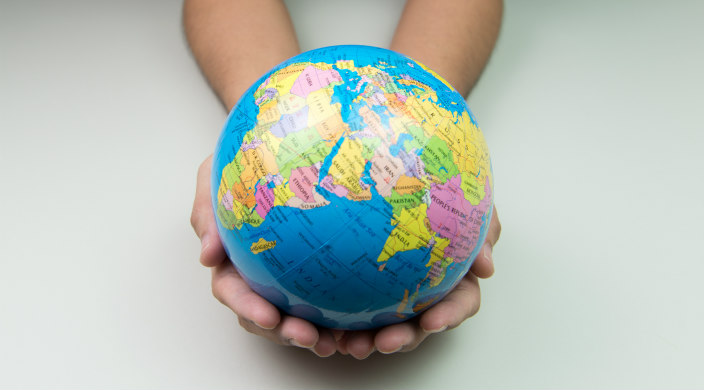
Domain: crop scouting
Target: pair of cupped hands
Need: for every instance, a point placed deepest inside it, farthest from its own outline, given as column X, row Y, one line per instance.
column 260, row 317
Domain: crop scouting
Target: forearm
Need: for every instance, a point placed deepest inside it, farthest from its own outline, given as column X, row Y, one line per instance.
column 237, row 41
column 453, row 37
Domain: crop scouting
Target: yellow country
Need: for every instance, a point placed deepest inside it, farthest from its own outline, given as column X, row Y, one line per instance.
column 410, row 233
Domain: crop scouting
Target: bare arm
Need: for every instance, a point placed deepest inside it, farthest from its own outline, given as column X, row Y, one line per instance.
column 237, row 41
column 453, row 37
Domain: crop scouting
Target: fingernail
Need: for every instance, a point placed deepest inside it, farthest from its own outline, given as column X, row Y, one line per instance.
column 316, row 353
column 296, row 343
column 204, row 243
column 262, row 326
column 371, row 351
column 487, row 252
column 442, row 329
column 319, row 355
column 394, row 351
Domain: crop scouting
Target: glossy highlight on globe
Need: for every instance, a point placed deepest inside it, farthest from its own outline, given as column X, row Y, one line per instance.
column 352, row 187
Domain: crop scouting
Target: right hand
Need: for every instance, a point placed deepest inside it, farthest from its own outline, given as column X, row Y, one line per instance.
column 260, row 317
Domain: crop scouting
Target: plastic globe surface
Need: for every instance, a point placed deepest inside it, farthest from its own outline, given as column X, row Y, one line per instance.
column 352, row 187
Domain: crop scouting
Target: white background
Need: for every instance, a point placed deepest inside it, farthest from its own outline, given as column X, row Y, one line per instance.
column 592, row 111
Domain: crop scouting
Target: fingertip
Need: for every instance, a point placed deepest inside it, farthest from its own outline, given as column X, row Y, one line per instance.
column 299, row 332
column 462, row 303
column 267, row 320
column 494, row 228
column 212, row 252
column 341, row 343
column 260, row 312
column 483, row 266
column 488, row 253
column 394, row 338
column 361, row 353
column 203, row 219
column 325, row 346
column 360, row 344
column 433, row 324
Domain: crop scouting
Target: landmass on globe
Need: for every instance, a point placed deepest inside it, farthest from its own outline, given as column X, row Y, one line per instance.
column 352, row 186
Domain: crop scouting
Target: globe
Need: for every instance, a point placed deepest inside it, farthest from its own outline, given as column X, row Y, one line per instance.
column 352, row 187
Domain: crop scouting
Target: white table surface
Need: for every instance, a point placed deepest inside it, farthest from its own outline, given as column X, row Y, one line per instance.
column 593, row 114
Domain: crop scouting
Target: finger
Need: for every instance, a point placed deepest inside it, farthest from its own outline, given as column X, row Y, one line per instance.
column 494, row 228
column 199, row 214
column 360, row 344
column 268, row 334
column 326, row 343
column 291, row 331
column 461, row 303
column 483, row 265
column 337, row 334
column 297, row 332
column 341, row 341
column 230, row 289
column 203, row 219
column 401, row 337
column 259, row 316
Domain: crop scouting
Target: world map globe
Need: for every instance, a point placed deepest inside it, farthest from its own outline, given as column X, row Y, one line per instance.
column 352, row 187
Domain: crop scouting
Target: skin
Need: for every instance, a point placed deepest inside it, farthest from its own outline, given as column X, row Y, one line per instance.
column 452, row 37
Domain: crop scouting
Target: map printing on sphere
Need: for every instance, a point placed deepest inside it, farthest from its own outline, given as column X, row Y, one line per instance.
column 352, row 187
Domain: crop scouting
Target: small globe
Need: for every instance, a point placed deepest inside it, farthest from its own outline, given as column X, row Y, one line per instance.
column 352, row 187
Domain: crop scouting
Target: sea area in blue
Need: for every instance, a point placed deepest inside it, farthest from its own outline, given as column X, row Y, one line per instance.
column 326, row 257
column 402, row 138
column 349, row 110
column 383, row 113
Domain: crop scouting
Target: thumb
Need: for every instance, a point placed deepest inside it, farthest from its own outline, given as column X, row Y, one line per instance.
column 483, row 266
column 203, row 220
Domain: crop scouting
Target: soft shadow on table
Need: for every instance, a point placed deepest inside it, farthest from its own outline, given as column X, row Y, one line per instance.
column 345, row 372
